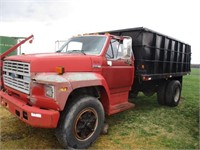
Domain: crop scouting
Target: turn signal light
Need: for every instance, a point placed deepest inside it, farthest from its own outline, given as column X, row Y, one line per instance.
column 60, row 70
column 63, row 89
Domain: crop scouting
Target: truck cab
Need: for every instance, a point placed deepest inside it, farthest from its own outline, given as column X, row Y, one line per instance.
column 112, row 58
column 46, row 90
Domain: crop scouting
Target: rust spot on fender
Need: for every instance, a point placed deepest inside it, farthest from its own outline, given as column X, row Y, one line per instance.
column 80, row 76
column 50, row 78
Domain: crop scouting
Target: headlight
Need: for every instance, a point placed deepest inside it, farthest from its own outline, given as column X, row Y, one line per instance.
column 49, row 91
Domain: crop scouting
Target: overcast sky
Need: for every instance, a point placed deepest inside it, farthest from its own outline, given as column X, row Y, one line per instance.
column 51, row 20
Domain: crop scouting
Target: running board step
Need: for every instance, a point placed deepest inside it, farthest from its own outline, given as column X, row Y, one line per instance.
column 121, row 107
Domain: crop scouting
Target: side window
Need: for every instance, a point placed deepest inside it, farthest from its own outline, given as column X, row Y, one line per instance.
column 119, row 49
column 114, row 50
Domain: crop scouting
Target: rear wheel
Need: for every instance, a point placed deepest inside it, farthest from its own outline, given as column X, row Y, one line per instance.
column 81, row 123
column 173, row 93
column 161, row 93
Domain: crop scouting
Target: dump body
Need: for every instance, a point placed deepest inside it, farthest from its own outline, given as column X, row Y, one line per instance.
column 157, row 55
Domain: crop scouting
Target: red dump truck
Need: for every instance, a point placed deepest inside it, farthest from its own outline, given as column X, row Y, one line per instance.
column 90, row 76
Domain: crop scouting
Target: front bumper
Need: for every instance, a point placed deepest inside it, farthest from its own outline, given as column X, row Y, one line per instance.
column 31, row 115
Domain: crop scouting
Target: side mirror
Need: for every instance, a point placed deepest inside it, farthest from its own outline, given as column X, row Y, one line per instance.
column 127, row 47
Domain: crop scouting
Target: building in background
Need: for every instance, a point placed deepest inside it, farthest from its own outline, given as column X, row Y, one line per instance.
column 7, row 42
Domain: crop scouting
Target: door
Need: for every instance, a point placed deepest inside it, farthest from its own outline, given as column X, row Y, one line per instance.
column 119, row 70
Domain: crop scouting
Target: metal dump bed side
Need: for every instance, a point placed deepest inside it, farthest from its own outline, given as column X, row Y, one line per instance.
column 157, row 55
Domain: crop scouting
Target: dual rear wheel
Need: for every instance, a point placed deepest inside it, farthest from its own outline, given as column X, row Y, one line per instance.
column 169, row 93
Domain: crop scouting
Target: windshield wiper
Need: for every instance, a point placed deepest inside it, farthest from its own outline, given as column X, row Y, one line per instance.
column 58, row 51
column 82, row 51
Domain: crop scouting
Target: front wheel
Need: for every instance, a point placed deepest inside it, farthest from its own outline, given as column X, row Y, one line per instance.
column 81, row 123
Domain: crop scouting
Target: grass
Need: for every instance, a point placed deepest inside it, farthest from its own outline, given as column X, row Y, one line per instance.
column 147, row 126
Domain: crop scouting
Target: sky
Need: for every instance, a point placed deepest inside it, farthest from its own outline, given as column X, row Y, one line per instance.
column 52, row 20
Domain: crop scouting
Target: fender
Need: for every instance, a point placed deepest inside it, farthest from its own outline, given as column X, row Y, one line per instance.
column 68, row 82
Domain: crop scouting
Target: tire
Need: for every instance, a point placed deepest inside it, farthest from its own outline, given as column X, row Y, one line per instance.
column 80, row 123
column 173, row 93
column 161, row 93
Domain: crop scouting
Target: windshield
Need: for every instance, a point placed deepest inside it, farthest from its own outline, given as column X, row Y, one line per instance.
column 84, row 44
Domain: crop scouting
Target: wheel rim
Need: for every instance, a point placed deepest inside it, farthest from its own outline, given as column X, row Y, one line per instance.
column 177, row 95
column 85, row 124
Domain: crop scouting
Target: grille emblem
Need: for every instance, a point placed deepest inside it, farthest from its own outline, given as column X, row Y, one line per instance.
column 13, row 75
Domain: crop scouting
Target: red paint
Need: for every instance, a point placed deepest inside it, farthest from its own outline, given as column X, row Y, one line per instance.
column 49, row 61
column 17, row 94
column 49, row 118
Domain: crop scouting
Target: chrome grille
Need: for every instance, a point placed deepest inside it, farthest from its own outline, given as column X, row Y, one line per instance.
column 17, row 75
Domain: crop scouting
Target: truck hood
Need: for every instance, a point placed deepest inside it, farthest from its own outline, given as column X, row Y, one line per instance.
column 49, row 61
